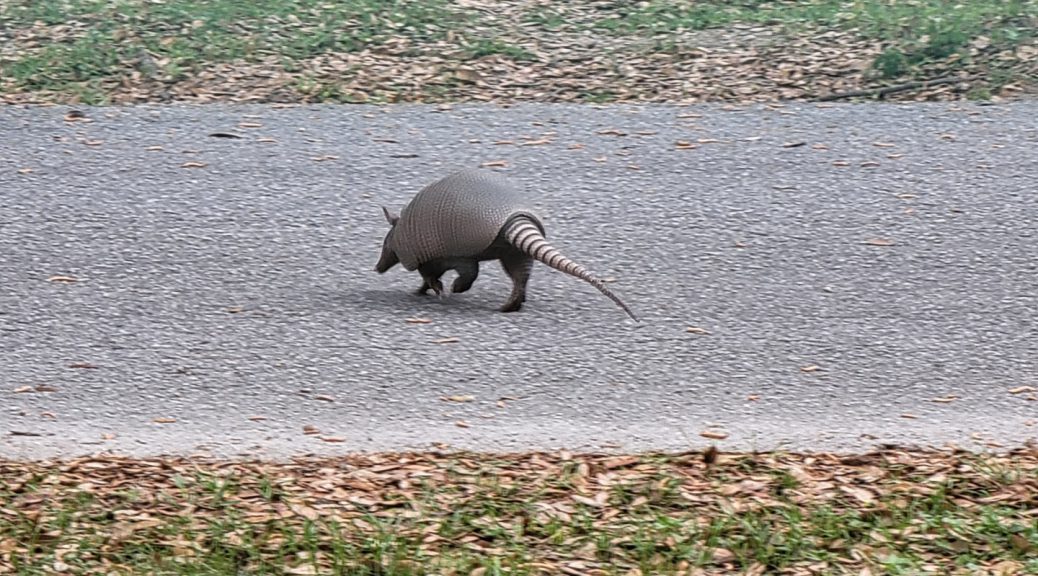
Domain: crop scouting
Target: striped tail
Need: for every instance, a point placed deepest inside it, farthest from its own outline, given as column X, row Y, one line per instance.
column 524, row 234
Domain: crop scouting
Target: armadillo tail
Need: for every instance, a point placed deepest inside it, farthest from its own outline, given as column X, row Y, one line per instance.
column 524, row 234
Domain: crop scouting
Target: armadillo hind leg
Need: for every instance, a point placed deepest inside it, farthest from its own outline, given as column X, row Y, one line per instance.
column 517, row 265
column 468, row 271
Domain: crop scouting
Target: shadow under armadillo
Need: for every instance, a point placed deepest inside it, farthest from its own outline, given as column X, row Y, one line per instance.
column 396, row 301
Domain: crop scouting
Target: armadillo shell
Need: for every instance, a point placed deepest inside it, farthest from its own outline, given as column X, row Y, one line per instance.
column 457, row 216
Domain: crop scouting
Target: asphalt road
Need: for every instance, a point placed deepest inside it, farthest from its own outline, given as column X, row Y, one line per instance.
column 854, row 275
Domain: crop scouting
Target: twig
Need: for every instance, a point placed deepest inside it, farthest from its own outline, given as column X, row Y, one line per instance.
column 885, row 90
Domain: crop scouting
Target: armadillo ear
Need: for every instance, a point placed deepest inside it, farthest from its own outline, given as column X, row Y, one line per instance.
column 390, row 217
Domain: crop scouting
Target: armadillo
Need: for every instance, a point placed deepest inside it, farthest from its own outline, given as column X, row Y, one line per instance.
column 465, row 218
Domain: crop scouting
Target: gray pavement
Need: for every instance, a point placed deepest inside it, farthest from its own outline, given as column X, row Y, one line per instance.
column 837, row 287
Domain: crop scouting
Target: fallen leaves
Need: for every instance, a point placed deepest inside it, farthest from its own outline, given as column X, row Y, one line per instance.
column 879, row 242
column 194, row 164
column 1022, row 389
column 527, row 60
column 164, row 420
column 582, row 497
column 62, row 279
column 714, row 434
column 448, row 340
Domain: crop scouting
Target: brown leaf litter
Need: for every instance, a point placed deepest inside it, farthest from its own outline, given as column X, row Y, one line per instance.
column 740, row 63
column 177, row 506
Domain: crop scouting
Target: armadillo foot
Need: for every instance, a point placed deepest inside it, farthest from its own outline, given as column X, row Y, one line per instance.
column 513, row 305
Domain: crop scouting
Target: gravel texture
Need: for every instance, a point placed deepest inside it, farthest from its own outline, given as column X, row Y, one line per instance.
column 838, row 287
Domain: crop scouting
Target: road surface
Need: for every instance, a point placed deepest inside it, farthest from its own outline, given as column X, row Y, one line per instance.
column 808, row 278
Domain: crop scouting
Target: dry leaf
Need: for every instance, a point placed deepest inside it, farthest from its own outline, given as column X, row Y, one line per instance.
column 332, row 439
column 810, row 368
column 793, row 144
column 153, row 148
column 879, row 242
column 883, row 144
column 714, row 434
column 265, row 139
column 193, row 165
column 324, row 398
column 685, row 145
column 310, row 430
column 460, row 398
column 869, row 164
column 93, row 142
column 163, row 420
column 249, row 125
column 462, row 424
column 909, row 416
column 612, row 132
column 25, row 170
column 495, row 164
column 325, row 158
column 696, row 330
column 63, row 279
column 449, row 340
column 540, row 142
column 1022, row 389
column 721, row 556
column 85, row 365
column 418, row 321
column 22, row 389
column 945, row 399
column 257, row 418
column 841, row 163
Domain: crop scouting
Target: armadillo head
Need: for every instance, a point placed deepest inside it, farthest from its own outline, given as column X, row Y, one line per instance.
column 388, row 259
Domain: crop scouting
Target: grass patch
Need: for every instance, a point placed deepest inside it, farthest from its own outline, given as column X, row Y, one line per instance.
column 125, row 51
column 104, row 38
column 916, row 31
column 892, row 512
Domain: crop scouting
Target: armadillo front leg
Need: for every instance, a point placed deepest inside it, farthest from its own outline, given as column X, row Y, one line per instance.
column 431, row 272
column 468, row 271
column 518, row 266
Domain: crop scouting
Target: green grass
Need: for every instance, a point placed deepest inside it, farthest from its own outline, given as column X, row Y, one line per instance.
column 456, row 515
column 98, row 51
column 104, row 38
column 917, row 31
